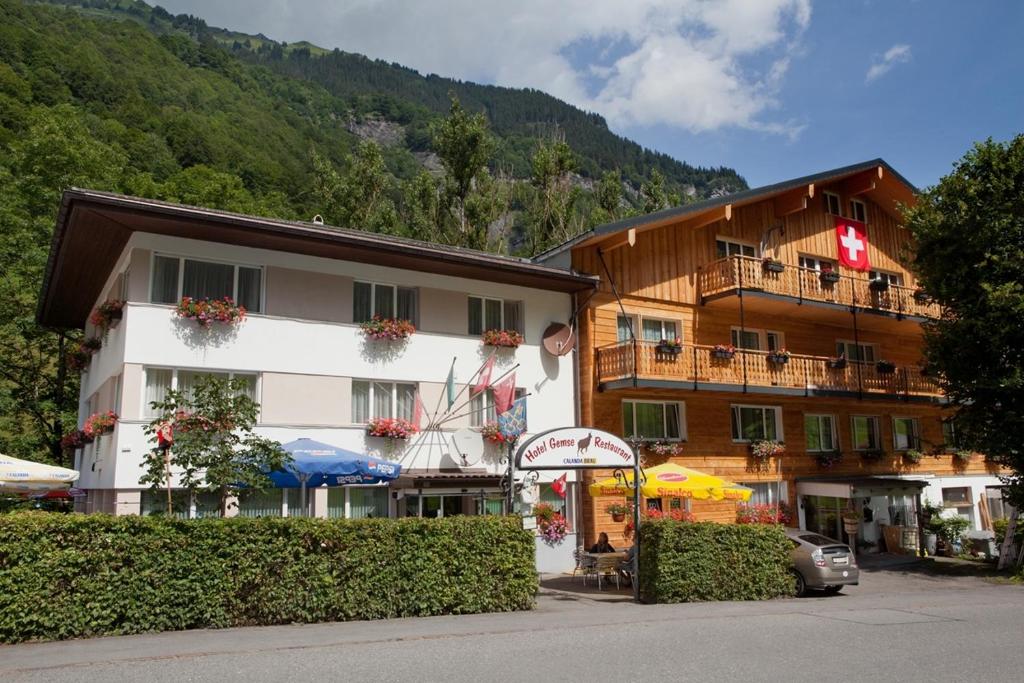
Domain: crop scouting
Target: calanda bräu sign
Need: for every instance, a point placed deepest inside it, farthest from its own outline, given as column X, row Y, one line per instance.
column 568, row 448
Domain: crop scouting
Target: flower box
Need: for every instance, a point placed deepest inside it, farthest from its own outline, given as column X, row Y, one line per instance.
column 872, row 455
column 827, row 459
column 107, row 314
column 773, row 266
column 664, row 448
column 673, row 348
column 829, row 277
column 921, row 296
column 766, row 449
column 492, row 432
column 504, row 338
column 75, row 439
column 780, row 357
column 723, row 352
column 99, row 424
column 207, row 311
column 885, row 367
column 837, row 363
column 879, row 285
column 390, row 428
column 387, row 329
column 79, row 357
column 912, row 456
column 961, row 457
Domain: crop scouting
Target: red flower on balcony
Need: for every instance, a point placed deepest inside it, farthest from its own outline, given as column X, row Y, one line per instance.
column 507, row 338
column 79, row 356
column 207, row 311
column 751, row 513
column 99, row 424
column 390, row 428
column 106, row 313
column 492, row 432
column 387, row 329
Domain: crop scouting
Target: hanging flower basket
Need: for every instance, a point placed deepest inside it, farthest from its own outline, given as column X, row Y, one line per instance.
column 885, row 367
column 961, row 457
column 387, row 329
column 390, row 428
column 670, row 346
column 551, row 525
column 827, row 459
column 75, row 439
column 208, row 311
column 107, row 314
column 664, row 448
column 505, row 338
column 779, row 357
column 492, row 432
column 763, row 450
column 879, row 285
column 99, row 424
column 79, row 357
column 723, row 352
column 773, row 266
column 829, row 277
column 912, row 456
column 837, row 363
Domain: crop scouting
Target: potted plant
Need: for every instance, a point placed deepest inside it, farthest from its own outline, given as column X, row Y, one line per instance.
column 851, row 521
column 879, row 285
column 390, row 428
column 208, row 311
column 99, row 424
column 505, row 338
column 551, row 525
column 827, row 459
column 670, row 346
column 961, row 457
column 107, row 314
column 828, row 276
column 921, row 296
column 387, row 329
column 872, row 454
column 763, row 450
column 912, row 456
column 837, row 362
column 885, row 367
column 723, row 351
column 618, row 511
column 79, row 356
column 778, row 356
column 770, row 265
column 76, row 438
column 492, row 432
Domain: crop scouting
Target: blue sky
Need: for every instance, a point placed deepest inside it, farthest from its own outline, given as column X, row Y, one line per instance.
column 773, row 88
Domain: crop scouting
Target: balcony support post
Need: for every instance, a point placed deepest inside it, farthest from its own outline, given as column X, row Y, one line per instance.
column 695, row 374
column 860, row 362
column 743, row 327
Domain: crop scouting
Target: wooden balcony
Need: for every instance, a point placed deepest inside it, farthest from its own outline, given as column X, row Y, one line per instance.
column 627, row 364
column 728, row 276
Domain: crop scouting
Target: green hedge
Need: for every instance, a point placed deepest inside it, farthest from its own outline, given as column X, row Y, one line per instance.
column 696, row 561
column 69, row 576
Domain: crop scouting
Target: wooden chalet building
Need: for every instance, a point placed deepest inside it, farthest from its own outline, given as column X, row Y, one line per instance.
column 815, row 354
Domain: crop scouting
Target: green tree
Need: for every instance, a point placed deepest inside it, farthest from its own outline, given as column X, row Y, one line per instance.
column 969, row 233
column 654, row 195
column 553, row 205
column 215, row 448
column 359, row 198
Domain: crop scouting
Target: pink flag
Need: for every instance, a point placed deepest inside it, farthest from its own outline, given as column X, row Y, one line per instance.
column 504, row 392
column 484, row 378
column 417, row 411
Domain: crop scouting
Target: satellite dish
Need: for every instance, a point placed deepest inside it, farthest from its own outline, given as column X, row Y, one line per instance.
column 470, row 446
column 559, row 339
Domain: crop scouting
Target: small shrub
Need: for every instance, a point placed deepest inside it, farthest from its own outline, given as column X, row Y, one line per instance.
column 692, row 562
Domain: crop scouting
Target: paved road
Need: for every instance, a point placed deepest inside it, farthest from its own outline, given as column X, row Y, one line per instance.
column 896, row 626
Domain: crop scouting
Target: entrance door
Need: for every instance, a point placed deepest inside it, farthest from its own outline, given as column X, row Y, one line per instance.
column 823, row 515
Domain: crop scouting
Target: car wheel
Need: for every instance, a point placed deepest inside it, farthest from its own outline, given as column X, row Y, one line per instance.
column 832, row 590
column 799, row 585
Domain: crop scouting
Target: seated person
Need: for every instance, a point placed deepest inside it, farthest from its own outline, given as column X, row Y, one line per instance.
column 626, row 567
column 602, row 545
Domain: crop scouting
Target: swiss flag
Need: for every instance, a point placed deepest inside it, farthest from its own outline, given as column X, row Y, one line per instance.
column 852, row 241
column 484, row 378
column 504, row 392
column 558, row 485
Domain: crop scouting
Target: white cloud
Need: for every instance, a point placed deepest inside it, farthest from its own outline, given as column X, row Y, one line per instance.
column 690, row 64
column 897, row 54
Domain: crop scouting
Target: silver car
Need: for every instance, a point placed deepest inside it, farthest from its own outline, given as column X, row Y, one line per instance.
column 821, row 563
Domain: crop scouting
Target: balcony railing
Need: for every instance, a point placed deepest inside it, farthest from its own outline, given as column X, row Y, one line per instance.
column 698, row 365
column 748, row 273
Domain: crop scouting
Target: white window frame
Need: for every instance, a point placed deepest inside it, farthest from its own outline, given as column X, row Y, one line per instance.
column 738, row 242
column 643, row 318
column 774, row 488
column 915, row 437
column 394, row 397
column 394, row 297
column 682, row 417
column 818, row 262
column 834, row 430
column 828, row 196
column 482, row 403
column 864, row 210
column 762, row 337
column 874, row 419
column 503, row 302
column 634, row 323
column 847, row 343
column 735, row 418
column 146, row 410
column 894, row 279
column 181, row 276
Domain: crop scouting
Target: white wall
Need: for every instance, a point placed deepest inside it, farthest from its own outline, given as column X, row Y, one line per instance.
column 977, row 483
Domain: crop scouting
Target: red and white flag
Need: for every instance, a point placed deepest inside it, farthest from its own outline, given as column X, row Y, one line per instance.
column 558, row 485
column 852, row 241
column 418, row 410
column 504, row 393
column 483, row 380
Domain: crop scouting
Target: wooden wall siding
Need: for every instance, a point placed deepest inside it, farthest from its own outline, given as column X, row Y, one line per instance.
column 665, row 261
column 736, row 272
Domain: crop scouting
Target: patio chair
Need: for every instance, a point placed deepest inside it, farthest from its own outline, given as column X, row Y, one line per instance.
column 607, row 566
column 578, row 556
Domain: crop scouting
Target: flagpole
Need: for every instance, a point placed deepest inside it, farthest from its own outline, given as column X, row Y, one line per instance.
column 476, row 375
column 455, row 417
column 447, row 418
column 437, row 407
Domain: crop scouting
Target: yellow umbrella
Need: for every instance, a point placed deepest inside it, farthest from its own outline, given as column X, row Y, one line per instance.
column 24, row 476
column 674, row 481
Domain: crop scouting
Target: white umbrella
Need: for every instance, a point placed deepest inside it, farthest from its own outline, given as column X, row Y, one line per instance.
column 24, row 476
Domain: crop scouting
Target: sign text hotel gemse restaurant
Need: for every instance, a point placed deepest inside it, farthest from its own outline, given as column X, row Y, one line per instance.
column 568, row 448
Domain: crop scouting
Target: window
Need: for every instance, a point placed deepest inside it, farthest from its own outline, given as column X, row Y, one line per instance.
column 832, row 203
column 884, row 276
column 820, row 431
column 625, row 325
column 905, row 433
column 767, row 492
column 494, row 314
column 855, row 352
column 366, row 502
column 728, row 247
column 754, row 423
column 950, row 438
column 381, row 399
column 175, row 277
column 817, row 263
column 998, row 507
column 858, row 211
column 865, row 434
column 774, row 340
column 656, row 330
column 387, row 301
column 956, row 497
column 160, row 381
column 654, row 420
column 757, row 340
column 482, row 408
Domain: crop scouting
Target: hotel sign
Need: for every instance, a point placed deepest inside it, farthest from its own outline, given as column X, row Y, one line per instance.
column 574, row 448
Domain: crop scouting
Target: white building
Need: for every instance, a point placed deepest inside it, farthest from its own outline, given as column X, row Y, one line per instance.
column 306, row 287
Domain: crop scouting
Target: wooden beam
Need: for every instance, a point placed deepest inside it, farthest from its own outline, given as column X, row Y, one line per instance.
column 793, row 201
column 722, row 214
column 862, row 182
column 620, row 241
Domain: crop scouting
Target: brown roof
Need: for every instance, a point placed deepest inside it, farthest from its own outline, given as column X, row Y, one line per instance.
column 93, row 228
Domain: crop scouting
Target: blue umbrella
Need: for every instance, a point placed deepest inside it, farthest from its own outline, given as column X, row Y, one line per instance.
column 315, row 464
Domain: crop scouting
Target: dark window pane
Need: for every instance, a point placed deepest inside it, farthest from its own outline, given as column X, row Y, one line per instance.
column 208, row 280
column 492, row 314
column 165, row 280
column 384, row 301
column 513, row 316
column 476, row 317
column 407, row 304
column 361, row 306
column 249, row 288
